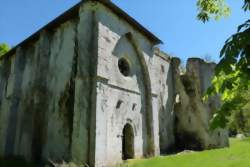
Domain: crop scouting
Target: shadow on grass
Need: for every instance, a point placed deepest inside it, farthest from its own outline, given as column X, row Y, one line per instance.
column 20, row 162
column 14, row 162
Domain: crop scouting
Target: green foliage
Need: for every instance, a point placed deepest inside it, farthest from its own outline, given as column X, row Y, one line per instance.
column 239, row 121
column 3, row 49
column 212, row 9
column 216, row 9
column 208, row 58
column 246, row 5
column 237, row 155
column 232, row 74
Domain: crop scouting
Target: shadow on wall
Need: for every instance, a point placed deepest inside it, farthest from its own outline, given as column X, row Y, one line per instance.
column 166, row 116
column 192, row 115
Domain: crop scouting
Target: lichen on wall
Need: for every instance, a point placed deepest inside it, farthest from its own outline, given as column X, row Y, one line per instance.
column 192, row 115
column 162, row 79
column 63, row 95
column 43, row 114
column 119, row 40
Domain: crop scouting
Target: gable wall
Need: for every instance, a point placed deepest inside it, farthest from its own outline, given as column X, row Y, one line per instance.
column 33, row 105
column 46, row 94
column 114, row 43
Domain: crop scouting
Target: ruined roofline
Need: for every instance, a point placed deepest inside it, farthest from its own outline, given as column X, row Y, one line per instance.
column 193, row 59
column 158, row 52
column 74, row 12
column 162, row 54
column 190, row 61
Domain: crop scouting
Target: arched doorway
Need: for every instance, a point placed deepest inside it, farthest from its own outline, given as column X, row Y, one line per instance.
column 127, row 142
column 128, row 48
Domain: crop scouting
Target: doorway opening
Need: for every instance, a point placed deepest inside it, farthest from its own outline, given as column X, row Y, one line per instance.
column 128, row 142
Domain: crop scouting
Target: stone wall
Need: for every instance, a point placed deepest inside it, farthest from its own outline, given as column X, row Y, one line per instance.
column 192, row 114
column 60, row 92
column 63, row 95
column 162, row 79
column 47, row 89
column 138, row 104
column 36, row 98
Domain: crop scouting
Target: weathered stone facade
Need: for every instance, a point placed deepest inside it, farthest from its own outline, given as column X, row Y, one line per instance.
column 89, row 87
column 192, row 114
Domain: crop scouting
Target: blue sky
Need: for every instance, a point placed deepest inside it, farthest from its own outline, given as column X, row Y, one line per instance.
column 173, row 21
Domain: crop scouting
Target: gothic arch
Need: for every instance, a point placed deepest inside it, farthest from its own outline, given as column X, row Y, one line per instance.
column 128, row 136
column 150, row 148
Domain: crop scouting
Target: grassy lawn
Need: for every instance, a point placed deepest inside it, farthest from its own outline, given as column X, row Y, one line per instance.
column 238, row 155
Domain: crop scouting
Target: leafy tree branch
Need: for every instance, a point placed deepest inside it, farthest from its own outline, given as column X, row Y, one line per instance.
column 3, row 49
column 232, row 74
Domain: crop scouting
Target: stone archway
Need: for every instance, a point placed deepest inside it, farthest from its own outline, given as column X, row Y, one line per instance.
column 148, row 137
column 128, row 142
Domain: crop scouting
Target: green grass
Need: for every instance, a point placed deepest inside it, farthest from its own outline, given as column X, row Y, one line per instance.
column 238, row 155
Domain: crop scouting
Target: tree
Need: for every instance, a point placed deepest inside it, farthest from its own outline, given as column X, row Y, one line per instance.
column 239, row 121
column 212, row 9
column 232, row 74
column 3, row 49
column 208, row 58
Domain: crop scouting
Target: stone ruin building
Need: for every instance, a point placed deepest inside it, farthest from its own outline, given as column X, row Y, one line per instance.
column 91, row 87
